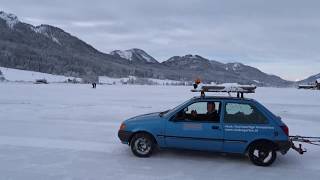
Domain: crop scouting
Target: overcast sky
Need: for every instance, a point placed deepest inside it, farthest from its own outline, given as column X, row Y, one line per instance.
column 280, row 37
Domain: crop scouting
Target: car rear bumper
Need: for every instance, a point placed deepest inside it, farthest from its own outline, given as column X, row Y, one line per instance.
column 283, row 146
column 124, row 136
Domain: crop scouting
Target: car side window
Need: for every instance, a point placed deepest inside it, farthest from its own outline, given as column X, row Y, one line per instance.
column 243, row 114
column 200, row 111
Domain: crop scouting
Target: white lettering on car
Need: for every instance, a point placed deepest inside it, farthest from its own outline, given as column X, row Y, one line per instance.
column 246, row 128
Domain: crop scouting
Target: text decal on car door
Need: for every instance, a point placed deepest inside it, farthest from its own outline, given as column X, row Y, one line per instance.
column 240, row 128
column 192, row 126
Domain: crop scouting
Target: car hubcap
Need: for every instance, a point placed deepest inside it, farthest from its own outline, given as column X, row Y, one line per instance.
column 262, row 156
column 142, row 146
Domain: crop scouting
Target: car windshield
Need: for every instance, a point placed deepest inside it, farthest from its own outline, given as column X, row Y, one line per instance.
column 164, row 113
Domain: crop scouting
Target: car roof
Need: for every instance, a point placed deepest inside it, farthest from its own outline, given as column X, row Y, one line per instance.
column 223, row 98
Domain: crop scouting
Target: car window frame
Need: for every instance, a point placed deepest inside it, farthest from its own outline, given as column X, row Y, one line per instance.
column 204, row 121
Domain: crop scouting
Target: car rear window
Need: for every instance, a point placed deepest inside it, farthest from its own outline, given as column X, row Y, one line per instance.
column 243, row 114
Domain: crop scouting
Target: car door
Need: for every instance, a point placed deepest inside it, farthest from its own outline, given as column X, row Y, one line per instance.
column 243, row 122
column 184, row 130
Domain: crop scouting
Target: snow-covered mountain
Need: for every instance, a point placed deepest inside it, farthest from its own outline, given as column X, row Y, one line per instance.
column 46, row 31
column 189, row 61
column 220, row 72
column 10, row 19
column 311, row 79
column 134, row 55
column 49, row 49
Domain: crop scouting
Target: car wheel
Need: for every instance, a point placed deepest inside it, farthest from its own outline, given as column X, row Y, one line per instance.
column 262, row 154
column 142, row 145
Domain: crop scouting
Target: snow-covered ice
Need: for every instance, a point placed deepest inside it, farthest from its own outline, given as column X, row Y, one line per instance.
column 69, row 131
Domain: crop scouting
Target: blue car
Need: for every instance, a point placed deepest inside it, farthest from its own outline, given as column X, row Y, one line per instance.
column 210, row 123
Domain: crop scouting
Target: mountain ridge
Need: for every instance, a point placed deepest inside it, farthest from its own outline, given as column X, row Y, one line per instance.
column 49, row 49
column 134, row 55
column 310, row 79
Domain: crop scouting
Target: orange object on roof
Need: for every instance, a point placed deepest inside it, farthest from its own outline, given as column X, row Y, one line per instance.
column 197, row 81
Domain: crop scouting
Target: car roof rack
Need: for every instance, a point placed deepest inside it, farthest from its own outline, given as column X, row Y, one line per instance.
column 227, row 88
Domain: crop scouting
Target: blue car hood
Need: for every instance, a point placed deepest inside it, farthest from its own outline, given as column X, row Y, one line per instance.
column 150, row 116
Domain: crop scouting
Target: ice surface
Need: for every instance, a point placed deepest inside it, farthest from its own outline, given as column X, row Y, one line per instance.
column 67, row 131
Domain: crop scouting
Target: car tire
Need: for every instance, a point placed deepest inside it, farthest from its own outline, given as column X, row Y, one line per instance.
column 142, row 145
column 262, row 154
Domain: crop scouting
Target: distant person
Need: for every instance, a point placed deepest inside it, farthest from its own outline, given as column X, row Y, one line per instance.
column 94, row 85
column 212, row 114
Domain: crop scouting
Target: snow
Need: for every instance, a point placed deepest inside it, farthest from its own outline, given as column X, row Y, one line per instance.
column 318, row 80
column 111, row 80
column 194, row 56
column 11, row 19
column 39, row 29
column 42, row 29
column 236, row 66
column 69, row 131
column 147, row 57
column 31, row 76
column 128, row 80
column 166, row 81
column 54, row 39
column 127, row 54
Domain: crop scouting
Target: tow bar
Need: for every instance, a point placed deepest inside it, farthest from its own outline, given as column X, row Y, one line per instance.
column 303, row 139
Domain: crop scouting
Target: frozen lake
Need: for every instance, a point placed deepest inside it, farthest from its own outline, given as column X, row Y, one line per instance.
column 66, row 131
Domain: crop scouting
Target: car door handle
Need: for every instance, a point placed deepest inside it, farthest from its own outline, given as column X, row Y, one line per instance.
column 215, row 127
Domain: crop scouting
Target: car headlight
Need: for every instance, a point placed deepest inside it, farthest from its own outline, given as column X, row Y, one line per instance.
column 122, row 126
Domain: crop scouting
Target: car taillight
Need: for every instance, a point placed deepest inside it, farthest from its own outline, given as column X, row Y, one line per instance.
column 285, row 129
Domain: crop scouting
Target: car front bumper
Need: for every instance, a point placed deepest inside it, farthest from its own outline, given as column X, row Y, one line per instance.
column 124, row 136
